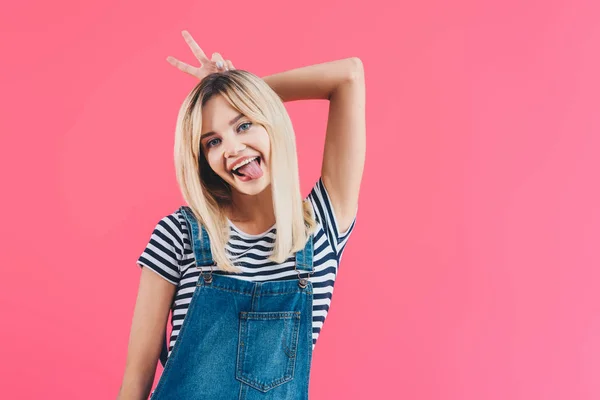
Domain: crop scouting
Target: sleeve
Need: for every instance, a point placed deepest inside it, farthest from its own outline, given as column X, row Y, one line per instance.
column 164, row 251
column 325, row 215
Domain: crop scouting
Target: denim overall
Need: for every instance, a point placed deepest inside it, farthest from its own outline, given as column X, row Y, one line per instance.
column 239, row 339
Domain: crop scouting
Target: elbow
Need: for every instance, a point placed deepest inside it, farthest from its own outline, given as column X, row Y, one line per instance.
column 356, row 70
column 350, row 73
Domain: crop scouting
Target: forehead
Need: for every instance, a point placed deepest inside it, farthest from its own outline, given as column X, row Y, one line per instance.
column 217, row 113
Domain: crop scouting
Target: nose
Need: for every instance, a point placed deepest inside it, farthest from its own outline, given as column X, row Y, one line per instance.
column 232, row 148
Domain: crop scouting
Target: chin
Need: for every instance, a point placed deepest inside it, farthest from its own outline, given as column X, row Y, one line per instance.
column 251, row 188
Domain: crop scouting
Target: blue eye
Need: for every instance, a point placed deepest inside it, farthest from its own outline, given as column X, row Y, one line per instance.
column 211, row 143
column 245, row 123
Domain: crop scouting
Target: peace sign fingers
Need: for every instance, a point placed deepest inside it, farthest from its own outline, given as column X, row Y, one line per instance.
column 207, row 67
column 198, row 52
column 183, row 66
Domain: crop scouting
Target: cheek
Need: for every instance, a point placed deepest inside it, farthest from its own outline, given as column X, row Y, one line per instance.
column 212, row 158
column 265, row 143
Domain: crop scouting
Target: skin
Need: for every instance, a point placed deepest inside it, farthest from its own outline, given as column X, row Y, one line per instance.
column 223, row 144
column 341, row 82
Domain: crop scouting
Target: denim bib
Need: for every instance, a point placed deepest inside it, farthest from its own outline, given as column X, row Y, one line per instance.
column 239, row 339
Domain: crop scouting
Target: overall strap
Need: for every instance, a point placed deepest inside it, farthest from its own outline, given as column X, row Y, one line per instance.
column 200, row 243
column 304, row 261
column 199, row 239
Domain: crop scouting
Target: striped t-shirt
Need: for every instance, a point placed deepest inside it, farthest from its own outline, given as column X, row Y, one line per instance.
column 169, row 254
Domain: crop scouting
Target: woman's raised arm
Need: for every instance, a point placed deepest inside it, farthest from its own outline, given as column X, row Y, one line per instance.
column 342, row 82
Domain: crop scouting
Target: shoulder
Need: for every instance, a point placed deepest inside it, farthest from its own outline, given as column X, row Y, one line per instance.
column 325, row 216
column 164, row 250
column 172, row 225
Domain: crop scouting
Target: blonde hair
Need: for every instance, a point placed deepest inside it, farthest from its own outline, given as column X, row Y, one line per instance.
column 207, row 194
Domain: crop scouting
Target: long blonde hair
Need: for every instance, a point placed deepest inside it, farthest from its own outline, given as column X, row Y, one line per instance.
column 207, row 194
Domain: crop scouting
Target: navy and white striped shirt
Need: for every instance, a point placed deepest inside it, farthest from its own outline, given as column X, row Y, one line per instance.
column 169, row 254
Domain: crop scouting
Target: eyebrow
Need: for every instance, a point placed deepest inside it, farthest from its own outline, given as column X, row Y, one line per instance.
column 233, row 121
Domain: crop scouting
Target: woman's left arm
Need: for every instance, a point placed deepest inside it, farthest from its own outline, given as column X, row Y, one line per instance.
column 341, row 82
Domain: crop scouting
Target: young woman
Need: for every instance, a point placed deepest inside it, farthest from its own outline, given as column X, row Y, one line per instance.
column 248, row 267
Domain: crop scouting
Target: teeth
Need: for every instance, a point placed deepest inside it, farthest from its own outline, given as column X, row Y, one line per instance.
column 249, row 160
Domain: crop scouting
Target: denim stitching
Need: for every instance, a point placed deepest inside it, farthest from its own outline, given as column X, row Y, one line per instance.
column 177, row 345
column 245, row 317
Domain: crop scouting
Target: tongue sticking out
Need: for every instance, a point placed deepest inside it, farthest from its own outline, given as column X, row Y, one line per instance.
column 251, row 170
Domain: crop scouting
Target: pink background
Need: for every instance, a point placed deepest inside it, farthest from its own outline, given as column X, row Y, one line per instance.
column 473, row 270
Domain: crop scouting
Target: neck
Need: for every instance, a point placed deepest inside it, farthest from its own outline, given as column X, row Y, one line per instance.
column 253, row 209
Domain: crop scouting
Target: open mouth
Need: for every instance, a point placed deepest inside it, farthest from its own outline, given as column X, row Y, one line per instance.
column 239, row 171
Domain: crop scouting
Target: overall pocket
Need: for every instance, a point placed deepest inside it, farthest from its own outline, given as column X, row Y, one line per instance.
column 267, row 345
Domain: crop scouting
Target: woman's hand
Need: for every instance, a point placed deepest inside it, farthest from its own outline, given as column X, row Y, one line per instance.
column 207, row 67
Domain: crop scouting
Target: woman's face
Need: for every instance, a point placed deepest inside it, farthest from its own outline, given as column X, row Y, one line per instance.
column 229, row 139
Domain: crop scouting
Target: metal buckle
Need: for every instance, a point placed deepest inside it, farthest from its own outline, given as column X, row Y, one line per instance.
column 302, row 282
column 210, row 278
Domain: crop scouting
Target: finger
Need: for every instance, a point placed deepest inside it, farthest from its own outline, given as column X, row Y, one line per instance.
column 181, row 65
column 198, row 52
column 229, row 65
column 217, row 56
column 218, row 59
